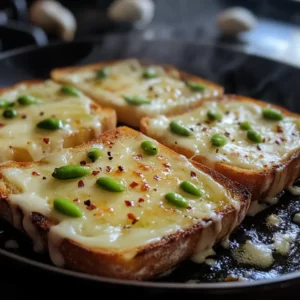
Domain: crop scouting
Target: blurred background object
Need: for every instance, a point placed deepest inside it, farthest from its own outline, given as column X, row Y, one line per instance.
column 269, row 28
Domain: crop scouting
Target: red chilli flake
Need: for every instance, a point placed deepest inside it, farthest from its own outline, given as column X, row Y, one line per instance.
column 167, row 165
column 145, row 186
column 83, row 163
column 75, row 200
column 80, row 183
column 94, row 173
column 46, row 140
column 91, row 207
column 34, row 173
column 133, row 184
column 138, row 156
column 129, row 203
column 2, row 125
column 193, row 174
column 108, row 169
column 141, row 200
column 132, row 217
column 156, row 177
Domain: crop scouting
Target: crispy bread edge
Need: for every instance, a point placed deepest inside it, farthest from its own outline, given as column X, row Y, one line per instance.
column 148, row 261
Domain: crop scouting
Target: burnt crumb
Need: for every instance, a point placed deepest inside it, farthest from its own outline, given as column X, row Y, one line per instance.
column 150, row 88
column 80, row 183
column 87, row 202
column 204, row 129
column 120, row 168
column 233, row 140
column 141, row 200
column 108, row 168
column 277, row 142
column 217, row 150
column 192, row 129
column 189, row 208
column 40, row 221
column 46, row 140
column 258, row 147
column 91, row 207
column 44, row 178
column 155, row 190
column 264, row 140
column 132, row 217
column 175, row 143
column 227, row 134
column 34, row 173
column 10, row 147
column 283, row 139
column 156, row 177
column 41, row 113
column 110, row 158
column 23, row 116
column 94, row 173
column 83, row 163
column 193, row 174
column 294, row 134
column 198, row 124
column 279, row 128
column 76, row 200
column 227, row 112
column 129, row 203
column 100, row 168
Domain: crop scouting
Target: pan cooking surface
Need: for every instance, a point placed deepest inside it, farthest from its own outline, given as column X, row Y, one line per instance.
column 239, row 73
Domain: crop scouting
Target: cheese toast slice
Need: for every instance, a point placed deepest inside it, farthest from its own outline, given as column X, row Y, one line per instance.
column 136, row 89
column 134, row 211
column 40, row 117
column 247, row 140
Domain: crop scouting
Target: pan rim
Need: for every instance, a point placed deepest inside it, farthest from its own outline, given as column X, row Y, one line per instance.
column 213, row 287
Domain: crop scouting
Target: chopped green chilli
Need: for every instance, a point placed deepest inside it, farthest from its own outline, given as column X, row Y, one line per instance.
column 245, row 125
column 94, row 153
column 136, row 100
column 9, row 113
column 70, row 90
column 149, row 148
column 218, row 140
column 196, row 86
column 50, row 124
column 190, row 188
column 149, row 73
column 176, row 200
column 102, row 73
column 27, row 100
column 4, row 103
column 70, row 172
column 177, row 128
column 110, row 184
column 272, row 114
column 67, row 207
column 254, row 136
column 214, row 115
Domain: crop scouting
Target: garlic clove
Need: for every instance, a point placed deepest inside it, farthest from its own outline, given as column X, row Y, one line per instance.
column 138, row 12
column 51, row 16
column 235, row 20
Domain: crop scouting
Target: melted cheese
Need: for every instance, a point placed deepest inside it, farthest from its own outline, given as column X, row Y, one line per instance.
column 166, row 91
column 294, row 190
column 20, row 134
column 273, row 220
column 108, row 226
column 239, row 150
column 296, row 218
column 283, row 241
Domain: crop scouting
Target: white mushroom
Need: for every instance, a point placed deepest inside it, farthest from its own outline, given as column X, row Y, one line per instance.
column 235, row 20
column 51, row 16
column 138, row 12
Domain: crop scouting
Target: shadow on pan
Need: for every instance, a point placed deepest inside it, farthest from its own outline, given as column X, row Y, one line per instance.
column 239, row 73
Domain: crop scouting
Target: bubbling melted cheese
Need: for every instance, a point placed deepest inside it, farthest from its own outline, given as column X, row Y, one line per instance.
column 279, row 138
column 166, row 91
column 21, row 135
column 107, row 226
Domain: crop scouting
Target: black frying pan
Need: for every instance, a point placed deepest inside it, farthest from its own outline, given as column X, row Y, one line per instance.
column 239, row 73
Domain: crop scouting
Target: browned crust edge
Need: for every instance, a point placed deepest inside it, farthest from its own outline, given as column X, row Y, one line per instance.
column 148, row 261
column 268, row 182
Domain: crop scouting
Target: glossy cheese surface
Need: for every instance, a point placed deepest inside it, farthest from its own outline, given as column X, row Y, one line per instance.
column 139, row 215
column 21, row 135
column 279, row 138
column 125, row 78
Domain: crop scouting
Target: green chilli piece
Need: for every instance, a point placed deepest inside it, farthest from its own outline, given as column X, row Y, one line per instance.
column 110, row 184
column 214, row 115
column 67, row 207
column 5, row 103
column 218, row 140
column 9, row 113
column 272, row 114
column 70, row 172
column 102, row 73
column 190, row 188
column 28, row 100
column 176, row 200
column 196, row 86
column 94, row 154
column 254, row 136
column 136, row 100
column 50, row 124
column 70, row 90
column 245, row 125
column 149, row 148
column 177, row 128
column 149, row 73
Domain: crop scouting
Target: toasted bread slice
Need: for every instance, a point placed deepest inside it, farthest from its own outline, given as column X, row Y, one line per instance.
column 265, row 168
column 22, row 140
column 167, row 91
column 132, row 233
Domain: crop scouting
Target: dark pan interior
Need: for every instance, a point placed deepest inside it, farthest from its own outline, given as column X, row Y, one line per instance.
column 239, row 73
